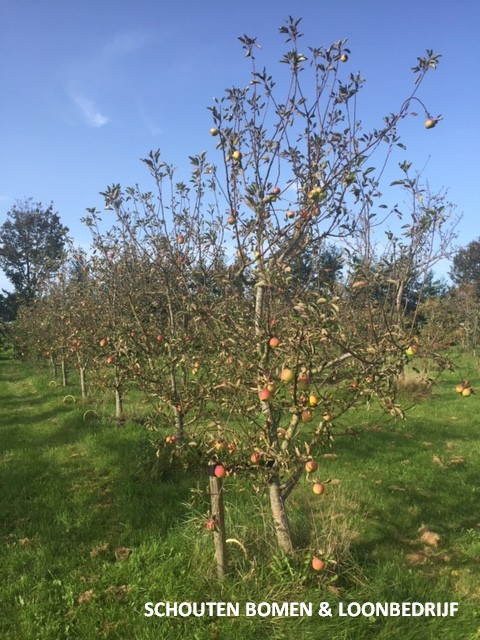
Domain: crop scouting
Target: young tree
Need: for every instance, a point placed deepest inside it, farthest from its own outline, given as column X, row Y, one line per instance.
column 32, row 245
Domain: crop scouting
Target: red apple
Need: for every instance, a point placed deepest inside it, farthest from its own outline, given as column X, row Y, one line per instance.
column 255, row 457
column 274, row 342
column 219, row 471
column 211, row 524
column 318, row 488
column 264, row 394
column 317, row 564
column 276, row 191
column 311, row 466
column 102, row 342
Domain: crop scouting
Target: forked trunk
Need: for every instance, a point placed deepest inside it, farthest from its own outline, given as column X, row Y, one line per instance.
column 279, row 515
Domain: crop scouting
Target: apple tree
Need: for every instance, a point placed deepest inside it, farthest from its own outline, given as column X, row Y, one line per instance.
column 298, row 173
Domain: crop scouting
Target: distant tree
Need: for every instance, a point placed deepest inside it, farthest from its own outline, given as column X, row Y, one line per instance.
column 8, row 306
column 466, row 266
column 32, row 243
column 317, row 266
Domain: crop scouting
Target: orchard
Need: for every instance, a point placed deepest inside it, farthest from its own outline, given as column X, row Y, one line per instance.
column 213, row 295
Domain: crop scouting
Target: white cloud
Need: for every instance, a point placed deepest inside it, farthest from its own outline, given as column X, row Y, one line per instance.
column 88, row 109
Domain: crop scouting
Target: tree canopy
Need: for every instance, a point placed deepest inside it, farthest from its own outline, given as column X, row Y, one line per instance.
column 466, row 266
column 32, row 244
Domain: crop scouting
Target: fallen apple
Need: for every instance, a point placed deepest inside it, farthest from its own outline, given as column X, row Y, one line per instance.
column 318, row 488
column 311, row 466
column 317, row 564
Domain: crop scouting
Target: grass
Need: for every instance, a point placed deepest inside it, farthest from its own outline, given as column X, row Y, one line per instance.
column 88, row 534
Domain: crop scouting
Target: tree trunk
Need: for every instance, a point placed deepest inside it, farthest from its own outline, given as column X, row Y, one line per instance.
column 218, row 514
column 64, row 373
column 118, row 402
column 280, row 518
column 54, row 366
column 83, row 384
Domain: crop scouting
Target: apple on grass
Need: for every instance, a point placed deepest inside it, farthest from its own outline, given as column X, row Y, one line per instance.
column 274, row 342
column 318, row 488
column 311, row 466
column 317, row 564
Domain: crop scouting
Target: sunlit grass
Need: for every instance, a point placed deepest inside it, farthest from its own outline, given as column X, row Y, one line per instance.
column 89, row 533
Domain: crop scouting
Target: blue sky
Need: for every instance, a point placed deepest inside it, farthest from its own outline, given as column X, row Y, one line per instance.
column 89, row 87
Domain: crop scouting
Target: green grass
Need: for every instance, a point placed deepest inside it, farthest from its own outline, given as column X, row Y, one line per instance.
column 88, row 534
